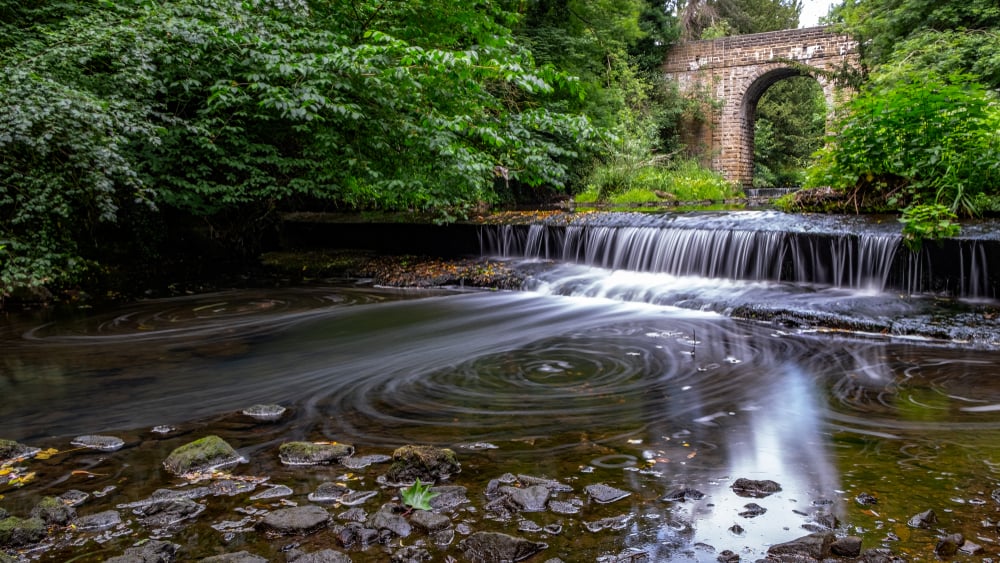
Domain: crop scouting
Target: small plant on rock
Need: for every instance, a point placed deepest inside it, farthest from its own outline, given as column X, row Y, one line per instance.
column 417, row 496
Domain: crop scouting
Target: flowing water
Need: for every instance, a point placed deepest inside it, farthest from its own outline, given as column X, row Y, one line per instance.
column 594, row 375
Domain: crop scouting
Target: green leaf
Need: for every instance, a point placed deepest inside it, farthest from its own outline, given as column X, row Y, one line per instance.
column 417, row 496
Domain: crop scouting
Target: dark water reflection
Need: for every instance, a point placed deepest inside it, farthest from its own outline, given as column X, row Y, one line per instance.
column 568, row 387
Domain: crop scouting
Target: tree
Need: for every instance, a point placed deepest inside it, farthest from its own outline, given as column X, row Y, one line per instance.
column 206, row 107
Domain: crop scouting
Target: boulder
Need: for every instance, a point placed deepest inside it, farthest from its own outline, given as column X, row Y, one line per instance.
column 309, row 453
column 427, row 463
column 203, row 455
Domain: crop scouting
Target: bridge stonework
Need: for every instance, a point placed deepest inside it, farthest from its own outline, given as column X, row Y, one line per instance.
column 731, row 74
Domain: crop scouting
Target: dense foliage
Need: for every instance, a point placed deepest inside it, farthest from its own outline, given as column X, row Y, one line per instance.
column 923, row 133
column 112, row 109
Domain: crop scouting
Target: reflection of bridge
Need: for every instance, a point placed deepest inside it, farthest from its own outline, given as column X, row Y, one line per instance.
column 736, row 71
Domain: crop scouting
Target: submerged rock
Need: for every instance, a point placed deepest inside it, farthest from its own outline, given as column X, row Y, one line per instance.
column 922, row 520
column 169, row 513
column 310, row 453
column 752, row 510
column 754, row 488
column 363, row 461
column 99, row 521
column 95, row 442
column 154, row 551
column 682, row 494
column 74, row 497
column 429, row 522
column 948, row 545
column 329, row 492
column 324, row 556
column 203, row 455
column 427, row 463
column 491, row 547
column 264, row 412
column 293, row 521
column 273, row 491
column 238, row 557
column 604, row 494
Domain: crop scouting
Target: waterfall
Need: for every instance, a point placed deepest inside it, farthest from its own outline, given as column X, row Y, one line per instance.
column 752, row 246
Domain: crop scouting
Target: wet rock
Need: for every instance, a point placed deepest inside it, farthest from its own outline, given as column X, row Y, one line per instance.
column 849, row 546
column 815, row 545
column 494, row 547
column 427, row 463
column 604, row 494
column 755, row 488
column 682, row 494
column 880, row 555
column 752, row 510
column 922, row 520
column 355, row 534
column 153, row 551
column 101, row 443
column 995, row 495
column 361, row 462
column 948, row 545
column 865, row 499
column 822, row 522
column 410, row 554
column 309, row 453
column 528, row 526
column 448, row 497
column 324, row 556
column 231, row 487
column 737, row 530
column 328, row 492
column 10, row 449
column 563, row 507
column 298, row 520
column 238, row 557
column 355, row 498
column 355, row 514
column 168, row 513
column 264, row 412
column 99, row 521
column 970, row 548
column 530, row 499
column 53, row 511
column 550, row 484
column 273, row 491
column 74, row 497
column 630, row 555
column 19, row 532
column 728, row 556
column 429, row 521
column 390, row 518
column 203, row 455
column 166, row 495
column 610, row 523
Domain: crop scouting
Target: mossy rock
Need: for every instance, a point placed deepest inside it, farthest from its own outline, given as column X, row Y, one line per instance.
column 205, row 454
column 309, row 453
column 19, row 532
column 427, row 463
column 53, row 511
column 9, row 449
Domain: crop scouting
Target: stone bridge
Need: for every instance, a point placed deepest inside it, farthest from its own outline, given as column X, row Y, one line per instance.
column 730, row 75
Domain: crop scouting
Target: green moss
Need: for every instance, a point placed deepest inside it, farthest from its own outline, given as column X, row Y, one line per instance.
column 17, row 532
column 210, row 452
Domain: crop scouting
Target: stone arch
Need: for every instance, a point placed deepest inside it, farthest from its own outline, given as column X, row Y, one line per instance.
column 744, row 112
column 736, row 71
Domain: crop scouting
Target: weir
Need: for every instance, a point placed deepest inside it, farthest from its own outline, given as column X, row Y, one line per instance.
column 847, row 252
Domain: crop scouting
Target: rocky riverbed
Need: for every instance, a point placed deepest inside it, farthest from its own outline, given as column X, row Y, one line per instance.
column 187, row 494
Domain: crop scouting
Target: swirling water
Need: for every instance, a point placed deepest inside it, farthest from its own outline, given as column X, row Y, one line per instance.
column 573, row 387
